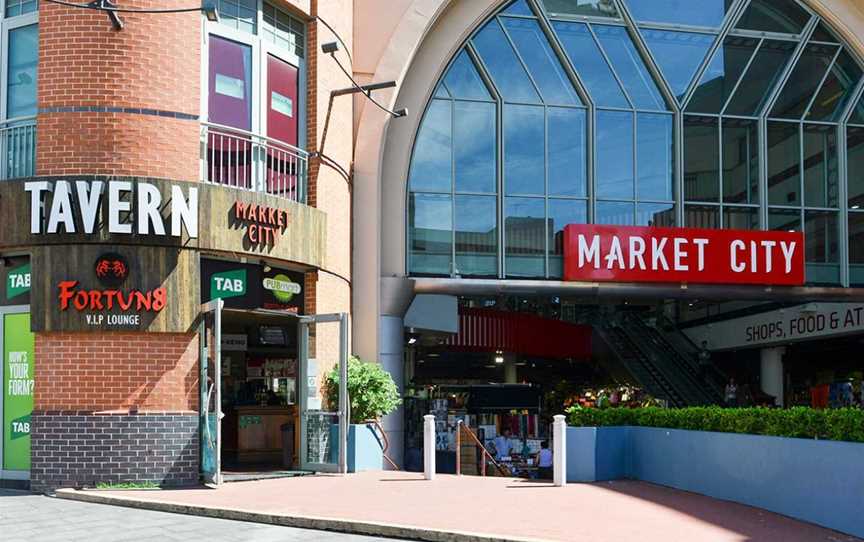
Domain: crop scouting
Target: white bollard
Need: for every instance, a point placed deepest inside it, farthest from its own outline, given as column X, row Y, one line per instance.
column 559, row 451
column 429, row 446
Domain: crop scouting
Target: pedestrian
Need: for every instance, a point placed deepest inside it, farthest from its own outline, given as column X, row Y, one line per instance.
column 731, row 394
column 503, row 445
column 544, row 461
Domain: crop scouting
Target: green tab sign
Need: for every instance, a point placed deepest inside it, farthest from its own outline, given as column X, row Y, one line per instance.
column 18, row 281
column 228, row 284
column 18, row 382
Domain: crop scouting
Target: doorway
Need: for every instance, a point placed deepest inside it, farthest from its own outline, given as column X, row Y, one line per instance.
column 263, row 415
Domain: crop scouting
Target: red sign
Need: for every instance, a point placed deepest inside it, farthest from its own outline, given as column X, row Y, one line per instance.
column 595, row 253
column 264, row 225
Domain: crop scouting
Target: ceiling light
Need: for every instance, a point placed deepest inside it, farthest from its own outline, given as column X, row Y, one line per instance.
column 499, row 359
column 412, row 340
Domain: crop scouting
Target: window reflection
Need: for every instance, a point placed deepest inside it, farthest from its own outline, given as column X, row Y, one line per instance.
column 615, row 155
column 820, row 166
column 679, row 55
column 619, row 213
column 661, row 215
column 836, row 90
column 740, row 218
column 701, row 159
column 706, row 13
column 701, row 216
column 525, row 237
column 855, row 159
column 430, row 232
column 506, row 71
column 431, row 169
column 722, row 74
column 463, row 81
column 590, row 65
column 761, row 77
column 784, row 171
column 629, row 67
column 476, row 236
column 654, row 161
column 567, row 151
column 594, row 8
column 474, row 145
column 784, row 16
column 524, row 149
column 740, row 161
column 804, row 81
column 561, row 213
column 21, row 85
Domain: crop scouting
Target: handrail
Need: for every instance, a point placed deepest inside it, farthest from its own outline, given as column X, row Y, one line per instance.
column 459, row 426
column 268, row 139
column 386, row 446
column 22, row 118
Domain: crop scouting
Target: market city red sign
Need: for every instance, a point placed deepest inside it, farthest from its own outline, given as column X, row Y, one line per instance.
column 597, row 253
column 264, row 224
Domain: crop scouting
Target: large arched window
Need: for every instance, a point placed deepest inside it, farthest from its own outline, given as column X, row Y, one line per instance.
column 743, row 114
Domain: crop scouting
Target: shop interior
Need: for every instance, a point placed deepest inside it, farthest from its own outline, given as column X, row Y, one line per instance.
column 259, row 392
column 498, row 375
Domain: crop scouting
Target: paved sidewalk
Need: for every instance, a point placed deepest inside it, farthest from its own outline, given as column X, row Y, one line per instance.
column 473, row 508
column 26, row 517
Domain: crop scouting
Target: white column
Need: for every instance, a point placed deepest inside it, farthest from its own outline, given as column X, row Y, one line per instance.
column 429, row 446
column 771, row 372
column 392, row 343
column 559, row 450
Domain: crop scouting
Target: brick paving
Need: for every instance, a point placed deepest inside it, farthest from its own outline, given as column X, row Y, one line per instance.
column 505, row 508
column 26, row 517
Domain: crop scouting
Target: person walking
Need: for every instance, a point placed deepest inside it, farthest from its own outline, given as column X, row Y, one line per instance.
column 544, row 461
column 731, row 394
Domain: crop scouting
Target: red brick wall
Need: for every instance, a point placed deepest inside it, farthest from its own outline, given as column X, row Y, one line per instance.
column 116, row 371
column 153, row 63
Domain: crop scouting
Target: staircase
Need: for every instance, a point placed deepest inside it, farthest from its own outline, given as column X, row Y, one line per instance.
column 663, row 361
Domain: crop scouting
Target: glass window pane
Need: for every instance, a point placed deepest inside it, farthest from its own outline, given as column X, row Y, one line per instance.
column 701, row 216
column 722, row 74
column 431, row 168
column 820, row 166
column 856, row 242
column 593, row 8
column 230, row 83
column 504, row 67
column 804, row 81
column 474, row 144
column 701, row 159
column 837, row 89
column 567, row 152
column 561, row 213
column 476, row 236
column 518, row 8
column 740, row 218
column 430, row 234
column 855, row 159
column 708, row 13
column 661, row 215
column 590, row 65
column 857, row 116
column 613, row 212
column 20, row 7
column 630, row 67
column 784, row 167
column 282, row 29
column 525, row 237
column 654, row 163
column 822, row 33
column 441, row 91
column 542, row 63
column 239, row 14
column 524, row 133
column 784, row 220
column 784, row 16
column 678, row 54
column 463, row 81
column 762, row 76
column 615, row 155
column 740, row 161
column 820, row 237
column 23, row 59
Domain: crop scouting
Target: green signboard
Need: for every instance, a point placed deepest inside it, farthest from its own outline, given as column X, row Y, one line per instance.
column 18, row 281
column 228, row 284
column 18, row 382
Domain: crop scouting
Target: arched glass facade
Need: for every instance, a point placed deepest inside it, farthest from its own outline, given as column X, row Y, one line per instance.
column 744, row 114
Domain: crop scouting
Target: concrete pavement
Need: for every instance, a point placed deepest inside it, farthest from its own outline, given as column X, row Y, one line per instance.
column 470, row 508
column 28, row 517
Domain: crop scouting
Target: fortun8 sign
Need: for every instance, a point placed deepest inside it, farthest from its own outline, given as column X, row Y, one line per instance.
column 595, row 253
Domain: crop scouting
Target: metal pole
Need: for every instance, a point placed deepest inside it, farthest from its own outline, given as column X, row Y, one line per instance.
column 217, row 376
column 343, row 393
column 429, row 446
column 559, row 456
column 459, row 448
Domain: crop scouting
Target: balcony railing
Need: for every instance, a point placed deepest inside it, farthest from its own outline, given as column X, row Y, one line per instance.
column 18, row 147
column 249, row 161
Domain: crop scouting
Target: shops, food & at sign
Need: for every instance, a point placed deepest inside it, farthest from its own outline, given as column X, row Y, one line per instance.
column 597, row 253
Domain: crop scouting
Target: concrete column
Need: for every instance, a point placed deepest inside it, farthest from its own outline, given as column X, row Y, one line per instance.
column 510, row 376
column 391, row 344
column 771, row 372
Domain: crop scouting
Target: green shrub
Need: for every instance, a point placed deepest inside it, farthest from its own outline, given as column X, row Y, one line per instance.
column 846, row 424
column 371, row 389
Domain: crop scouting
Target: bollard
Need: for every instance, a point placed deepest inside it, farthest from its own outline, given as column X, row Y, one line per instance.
column 559, row 452
column 429, row 446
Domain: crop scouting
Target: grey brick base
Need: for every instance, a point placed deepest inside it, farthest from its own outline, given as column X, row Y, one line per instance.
column 81, row 449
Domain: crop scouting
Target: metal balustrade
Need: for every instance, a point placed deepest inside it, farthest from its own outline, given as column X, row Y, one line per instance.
column 18, row 147
column 249, row 161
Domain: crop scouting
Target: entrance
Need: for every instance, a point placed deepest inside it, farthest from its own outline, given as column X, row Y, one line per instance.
column 262, row 413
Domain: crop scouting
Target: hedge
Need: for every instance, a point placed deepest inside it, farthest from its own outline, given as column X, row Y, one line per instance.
column 846, row 424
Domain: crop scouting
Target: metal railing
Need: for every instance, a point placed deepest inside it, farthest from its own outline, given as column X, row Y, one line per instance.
column 484, row 453
column 249, row 161
column 18, row 147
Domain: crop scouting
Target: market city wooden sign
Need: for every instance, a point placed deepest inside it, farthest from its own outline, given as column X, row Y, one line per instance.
column 598, row 253
column 264, row 224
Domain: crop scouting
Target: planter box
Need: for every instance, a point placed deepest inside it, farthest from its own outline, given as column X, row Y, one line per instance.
column 365, row 449
column 813, row 480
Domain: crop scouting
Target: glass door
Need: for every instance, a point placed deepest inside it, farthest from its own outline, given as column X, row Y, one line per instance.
column 210, row 391
column 323, row 426
column 281, row 120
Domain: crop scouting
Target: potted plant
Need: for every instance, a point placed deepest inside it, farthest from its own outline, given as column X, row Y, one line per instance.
column 373, row 394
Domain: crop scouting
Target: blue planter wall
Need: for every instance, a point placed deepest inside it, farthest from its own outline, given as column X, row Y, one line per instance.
column 817, row 481
column 365, row 450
